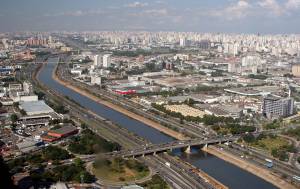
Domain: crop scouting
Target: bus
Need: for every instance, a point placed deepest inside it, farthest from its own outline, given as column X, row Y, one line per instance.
column 269, row 163
column 296, row 178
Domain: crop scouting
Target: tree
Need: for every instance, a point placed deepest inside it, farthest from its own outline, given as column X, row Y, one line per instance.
column 83, row 125
column 55, row 153
column 16, row 104
column 40, row 94
column 249, row 138
column 86, row 177
column 13, row 118
column 78, row 162
column 60, row 109
column 22, row 112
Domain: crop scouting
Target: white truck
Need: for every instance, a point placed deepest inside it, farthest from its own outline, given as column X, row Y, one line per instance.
column 168, row 164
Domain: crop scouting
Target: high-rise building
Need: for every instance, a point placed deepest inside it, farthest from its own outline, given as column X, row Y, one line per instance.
column 182, row 42
column 251, row 64
column 296, row 70
column 106, row 60
column 97, row 60
column 275, row 107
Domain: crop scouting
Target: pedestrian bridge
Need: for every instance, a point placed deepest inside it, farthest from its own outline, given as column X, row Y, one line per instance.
column 185, row 144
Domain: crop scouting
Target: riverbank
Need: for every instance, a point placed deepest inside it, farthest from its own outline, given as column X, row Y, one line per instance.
column 67, row 86
column 144, row 120
column 258, row 171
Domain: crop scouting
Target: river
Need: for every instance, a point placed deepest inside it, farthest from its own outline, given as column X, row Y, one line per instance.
column 228, row 174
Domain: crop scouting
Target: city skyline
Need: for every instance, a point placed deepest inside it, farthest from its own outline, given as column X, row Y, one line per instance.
column 230, row 16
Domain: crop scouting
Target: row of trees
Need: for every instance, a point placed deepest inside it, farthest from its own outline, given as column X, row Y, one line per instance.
column 206, row 119
column 222, row 125
column 233, row 129
column 50, row 153
column 90, row 143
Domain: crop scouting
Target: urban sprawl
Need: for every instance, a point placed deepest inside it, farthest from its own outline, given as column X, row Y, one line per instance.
column 236, row 96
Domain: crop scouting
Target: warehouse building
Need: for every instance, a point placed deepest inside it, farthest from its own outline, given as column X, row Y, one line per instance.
column 62, row 132
column 35, row 107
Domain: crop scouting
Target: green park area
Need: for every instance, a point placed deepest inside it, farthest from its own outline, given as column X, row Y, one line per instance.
column 74, row 172
column 277, row 146
column 273, row 125
column 271, row 143
column 156, row 183
column 119, row 170
column 295, row 133
column 90, row 143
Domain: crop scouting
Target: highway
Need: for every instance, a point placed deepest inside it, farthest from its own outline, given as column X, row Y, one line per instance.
column 121, row 136
column 257, row 158
column 189, row 129
column 154, row 148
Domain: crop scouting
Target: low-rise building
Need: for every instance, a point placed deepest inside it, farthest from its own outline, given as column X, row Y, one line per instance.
column 59, row 133
column 35, row 107
column 185, row 110
column 225, row 111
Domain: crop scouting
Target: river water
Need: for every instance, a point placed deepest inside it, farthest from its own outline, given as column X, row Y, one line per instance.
column 228, row 174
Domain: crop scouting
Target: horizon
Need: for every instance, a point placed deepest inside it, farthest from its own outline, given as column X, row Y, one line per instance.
column 149, row 31
column 229, row 16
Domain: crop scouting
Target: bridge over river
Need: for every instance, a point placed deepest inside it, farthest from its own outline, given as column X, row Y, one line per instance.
column 187, row 144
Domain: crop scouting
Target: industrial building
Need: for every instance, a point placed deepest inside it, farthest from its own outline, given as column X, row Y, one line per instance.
column 35, row 107
column 59, row 133
column 29, row 145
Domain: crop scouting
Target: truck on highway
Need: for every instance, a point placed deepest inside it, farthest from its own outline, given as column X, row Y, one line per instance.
column 269, row 163
column 168, row 164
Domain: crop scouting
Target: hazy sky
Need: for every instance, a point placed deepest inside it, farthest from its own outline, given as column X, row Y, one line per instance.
column 234, row 16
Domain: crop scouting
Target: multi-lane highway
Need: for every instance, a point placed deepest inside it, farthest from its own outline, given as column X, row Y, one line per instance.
column 100, row 126
column 189, row 129
column 154, row 148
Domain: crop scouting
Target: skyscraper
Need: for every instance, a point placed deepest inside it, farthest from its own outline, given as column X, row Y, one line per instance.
column 97, row 60
column 106, row 60
column 182, row 42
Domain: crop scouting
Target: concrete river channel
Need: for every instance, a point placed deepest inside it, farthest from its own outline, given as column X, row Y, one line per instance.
column 228, row 174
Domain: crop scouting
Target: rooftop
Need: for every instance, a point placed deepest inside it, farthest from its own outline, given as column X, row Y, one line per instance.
column 64, row 130
column 36, row 106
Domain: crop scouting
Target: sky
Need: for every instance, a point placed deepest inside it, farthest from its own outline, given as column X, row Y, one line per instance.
column 225, row 16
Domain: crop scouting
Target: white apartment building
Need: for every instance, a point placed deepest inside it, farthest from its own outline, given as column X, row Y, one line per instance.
column 106, row 60
column 97, row 60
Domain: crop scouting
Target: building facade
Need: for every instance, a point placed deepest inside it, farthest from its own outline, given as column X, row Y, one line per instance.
column 274, row 107
column 296, row 70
